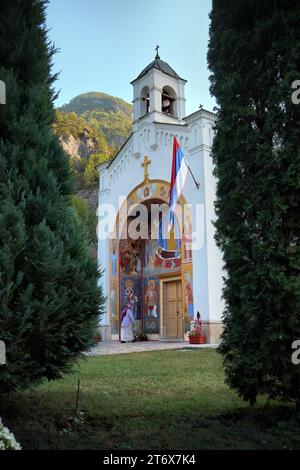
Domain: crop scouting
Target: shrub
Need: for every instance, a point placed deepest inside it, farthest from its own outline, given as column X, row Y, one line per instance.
column 7, row 439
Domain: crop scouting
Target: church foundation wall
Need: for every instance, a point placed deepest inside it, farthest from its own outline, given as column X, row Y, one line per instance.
column 212, row 331
column 105, row 333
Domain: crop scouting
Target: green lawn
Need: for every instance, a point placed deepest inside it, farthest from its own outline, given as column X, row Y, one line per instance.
column 152, row 400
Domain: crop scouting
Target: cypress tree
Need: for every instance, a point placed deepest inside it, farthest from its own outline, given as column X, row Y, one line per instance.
column 49, row 299
column 254, row 59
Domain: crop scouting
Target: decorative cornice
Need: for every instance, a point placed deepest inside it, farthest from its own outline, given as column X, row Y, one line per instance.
column 199, row 148
column 202, row 113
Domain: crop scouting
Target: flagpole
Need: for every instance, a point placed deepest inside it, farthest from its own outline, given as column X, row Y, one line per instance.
column 196, row 183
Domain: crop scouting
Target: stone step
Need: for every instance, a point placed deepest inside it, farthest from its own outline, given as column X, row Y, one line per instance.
column 172, row 340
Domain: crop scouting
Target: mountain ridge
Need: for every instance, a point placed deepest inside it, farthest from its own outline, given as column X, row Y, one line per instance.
column 110, row 115
column 91, row 128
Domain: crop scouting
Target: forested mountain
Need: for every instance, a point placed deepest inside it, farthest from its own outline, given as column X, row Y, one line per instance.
column 108, row 114
column 91, row 128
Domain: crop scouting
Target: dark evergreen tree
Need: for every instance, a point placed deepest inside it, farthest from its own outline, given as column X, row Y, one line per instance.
column 254, row 59
column 49, row 299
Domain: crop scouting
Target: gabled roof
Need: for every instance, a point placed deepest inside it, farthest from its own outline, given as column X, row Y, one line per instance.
column 159, row 65
column 120, row 150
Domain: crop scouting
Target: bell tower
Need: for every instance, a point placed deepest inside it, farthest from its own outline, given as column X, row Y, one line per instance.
column 158, row 94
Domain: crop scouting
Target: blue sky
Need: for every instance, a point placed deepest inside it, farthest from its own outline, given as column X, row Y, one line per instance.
column 104, row 44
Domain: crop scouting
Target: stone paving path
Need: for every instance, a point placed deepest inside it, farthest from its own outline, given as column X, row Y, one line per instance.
column 115, row 347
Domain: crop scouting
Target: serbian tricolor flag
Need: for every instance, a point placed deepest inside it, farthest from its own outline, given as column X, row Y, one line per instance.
column 178, row 178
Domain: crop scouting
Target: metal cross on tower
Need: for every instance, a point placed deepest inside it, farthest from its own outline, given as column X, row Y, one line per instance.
column 157, row 54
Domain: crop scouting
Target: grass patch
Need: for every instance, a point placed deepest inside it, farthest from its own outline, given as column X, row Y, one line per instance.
column 151, row 400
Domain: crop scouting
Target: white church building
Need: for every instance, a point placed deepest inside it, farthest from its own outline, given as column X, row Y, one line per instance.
column 168, row 280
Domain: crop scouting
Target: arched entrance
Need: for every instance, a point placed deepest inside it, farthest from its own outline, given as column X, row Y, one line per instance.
column 154, row 271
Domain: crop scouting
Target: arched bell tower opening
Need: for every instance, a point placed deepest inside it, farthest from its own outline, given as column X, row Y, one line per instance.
column 144, row 102
column 168, row 101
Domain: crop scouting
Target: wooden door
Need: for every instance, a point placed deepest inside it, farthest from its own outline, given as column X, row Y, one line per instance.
column 173, row 312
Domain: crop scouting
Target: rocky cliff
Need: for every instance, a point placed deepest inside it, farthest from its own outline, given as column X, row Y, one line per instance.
column 91, row 128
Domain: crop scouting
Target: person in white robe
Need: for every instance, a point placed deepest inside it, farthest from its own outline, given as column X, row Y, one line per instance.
column 127, row 322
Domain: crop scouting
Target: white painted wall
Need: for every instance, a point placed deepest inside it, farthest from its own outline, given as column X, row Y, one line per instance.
column 156, row 140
